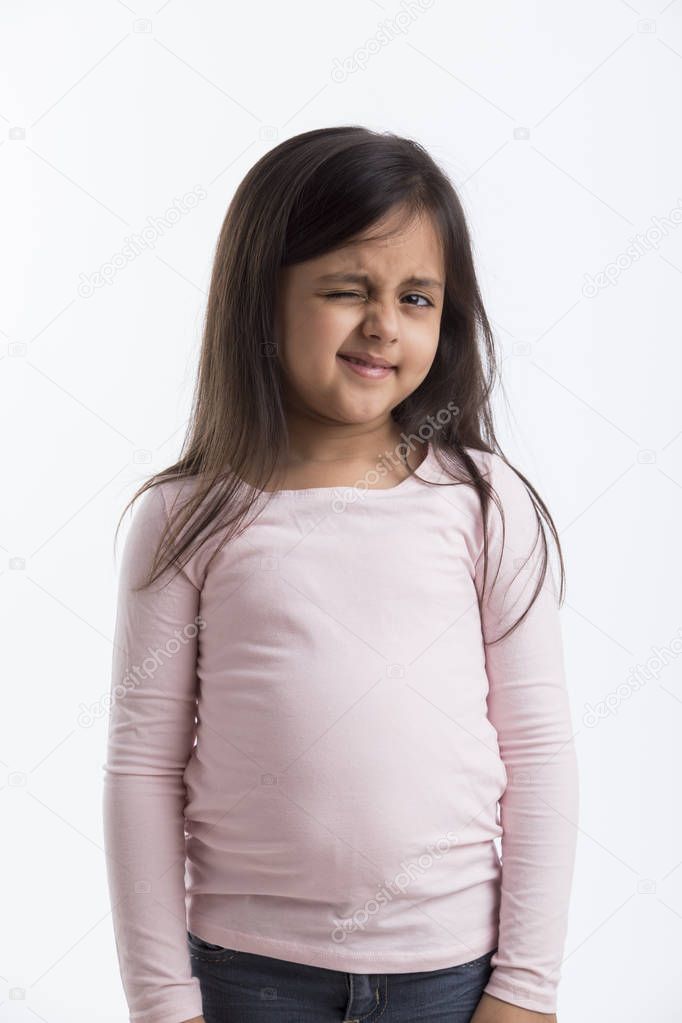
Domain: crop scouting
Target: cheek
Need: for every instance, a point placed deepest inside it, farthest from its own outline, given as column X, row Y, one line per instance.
column 418, row 354
column 331, row 324
column 430, row 349
column 311, row 341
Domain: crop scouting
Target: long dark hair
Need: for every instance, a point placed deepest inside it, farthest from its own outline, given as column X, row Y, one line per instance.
column 308, row 195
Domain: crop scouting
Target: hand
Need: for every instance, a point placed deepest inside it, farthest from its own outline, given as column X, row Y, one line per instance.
column 494, row 1010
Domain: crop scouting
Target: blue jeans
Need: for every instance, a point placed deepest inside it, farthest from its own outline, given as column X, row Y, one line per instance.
column 241, row 987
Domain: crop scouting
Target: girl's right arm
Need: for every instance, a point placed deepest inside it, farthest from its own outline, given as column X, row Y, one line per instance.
column 150, row 738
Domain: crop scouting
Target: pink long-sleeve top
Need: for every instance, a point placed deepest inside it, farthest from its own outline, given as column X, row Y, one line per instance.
column 311, row 748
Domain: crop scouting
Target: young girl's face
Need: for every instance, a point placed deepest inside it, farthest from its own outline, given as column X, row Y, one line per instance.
column 389, row 308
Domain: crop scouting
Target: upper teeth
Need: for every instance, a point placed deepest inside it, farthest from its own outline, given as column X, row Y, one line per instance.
column 361, row 362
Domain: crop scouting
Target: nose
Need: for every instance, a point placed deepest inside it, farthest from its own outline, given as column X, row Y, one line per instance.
column 381, row 321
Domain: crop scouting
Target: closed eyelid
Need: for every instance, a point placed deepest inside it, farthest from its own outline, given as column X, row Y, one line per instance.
column 356, row 294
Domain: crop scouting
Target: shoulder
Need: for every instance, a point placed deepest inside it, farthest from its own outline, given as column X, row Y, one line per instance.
column 505, row 480
column 151, row 509
column 152, row 514
column 512, row 519
column 495, row 467
column 167, row 495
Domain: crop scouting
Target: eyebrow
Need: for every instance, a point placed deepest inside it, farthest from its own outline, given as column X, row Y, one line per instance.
column 352, row 277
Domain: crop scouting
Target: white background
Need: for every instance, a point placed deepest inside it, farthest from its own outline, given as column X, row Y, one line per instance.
column 560, row 127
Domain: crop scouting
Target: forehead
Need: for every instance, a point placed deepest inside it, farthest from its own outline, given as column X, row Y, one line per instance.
column 390, row 247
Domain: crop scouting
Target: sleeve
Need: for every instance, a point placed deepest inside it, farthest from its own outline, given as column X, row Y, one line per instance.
column 529, row 708
column 150, row 738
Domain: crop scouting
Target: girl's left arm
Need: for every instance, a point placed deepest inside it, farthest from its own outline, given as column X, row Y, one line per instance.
column 528, row 706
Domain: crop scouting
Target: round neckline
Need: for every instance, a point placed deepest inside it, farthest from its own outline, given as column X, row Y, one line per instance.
column 347, row 490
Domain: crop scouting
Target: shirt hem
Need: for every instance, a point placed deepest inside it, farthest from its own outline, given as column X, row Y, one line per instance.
column 348, row 960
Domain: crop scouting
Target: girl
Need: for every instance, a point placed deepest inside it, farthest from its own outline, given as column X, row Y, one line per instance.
column 337, row 649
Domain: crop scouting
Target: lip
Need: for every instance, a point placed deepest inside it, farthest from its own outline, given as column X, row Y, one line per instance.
column 373, row 360
column 373, row 372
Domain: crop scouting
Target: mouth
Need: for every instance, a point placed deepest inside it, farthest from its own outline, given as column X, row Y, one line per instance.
column 368, row 367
